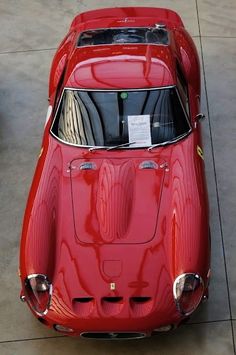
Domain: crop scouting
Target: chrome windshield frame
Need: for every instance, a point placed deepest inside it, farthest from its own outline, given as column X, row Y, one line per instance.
column 120, row 90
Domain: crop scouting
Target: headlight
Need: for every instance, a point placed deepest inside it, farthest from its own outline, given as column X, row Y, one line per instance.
column 188, row 290
column 38, row 291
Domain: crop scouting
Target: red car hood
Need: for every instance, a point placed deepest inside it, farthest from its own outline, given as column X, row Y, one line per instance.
column 116, row 201
column 135, row 224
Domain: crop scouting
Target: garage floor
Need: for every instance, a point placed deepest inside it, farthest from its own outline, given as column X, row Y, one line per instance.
column 30, row 32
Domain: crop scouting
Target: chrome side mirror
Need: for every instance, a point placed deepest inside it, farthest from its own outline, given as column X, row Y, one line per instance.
column 200, row 117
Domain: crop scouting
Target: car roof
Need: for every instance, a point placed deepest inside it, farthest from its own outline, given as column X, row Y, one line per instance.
column 121, row 66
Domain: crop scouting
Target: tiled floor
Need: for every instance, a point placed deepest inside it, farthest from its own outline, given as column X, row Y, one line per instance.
column 30, row 31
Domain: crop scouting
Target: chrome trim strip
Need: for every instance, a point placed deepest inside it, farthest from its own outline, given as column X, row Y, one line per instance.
column 122, row 28
column 183, row 108
column 123, row 44
column 35, row 275
column 118, row 90
column 197, row 276
column 40, row 314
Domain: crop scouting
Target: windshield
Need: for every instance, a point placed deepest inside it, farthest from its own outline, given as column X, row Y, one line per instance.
column 109, row 118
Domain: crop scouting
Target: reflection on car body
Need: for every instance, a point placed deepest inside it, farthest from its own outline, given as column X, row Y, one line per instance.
column 115, row 240
column 101, row 118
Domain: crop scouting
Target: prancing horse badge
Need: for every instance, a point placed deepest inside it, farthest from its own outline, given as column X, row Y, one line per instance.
column 112, row 286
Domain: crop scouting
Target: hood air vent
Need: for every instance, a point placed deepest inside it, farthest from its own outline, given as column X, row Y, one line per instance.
column 83, row 299
column 83, row 306
column 112, row 305
column 140, row 299
column 141, row 306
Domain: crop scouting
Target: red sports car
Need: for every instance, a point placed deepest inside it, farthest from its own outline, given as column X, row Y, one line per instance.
column 115, row 240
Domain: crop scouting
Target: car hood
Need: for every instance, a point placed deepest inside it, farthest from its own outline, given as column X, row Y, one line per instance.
column 112, row 234
column 116, row 200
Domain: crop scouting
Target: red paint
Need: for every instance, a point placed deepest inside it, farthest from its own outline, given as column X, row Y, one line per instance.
column 119, row 224
column 106, row 67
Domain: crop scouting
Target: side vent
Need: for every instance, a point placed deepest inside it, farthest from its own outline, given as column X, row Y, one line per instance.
column 140, row 305
column 83, row 306
column 112, row 305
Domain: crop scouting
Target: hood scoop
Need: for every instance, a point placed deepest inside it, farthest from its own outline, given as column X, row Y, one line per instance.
column 116, row 201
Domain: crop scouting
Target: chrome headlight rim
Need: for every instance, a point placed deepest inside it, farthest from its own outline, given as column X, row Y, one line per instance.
column 27, row 280
column 176, row 298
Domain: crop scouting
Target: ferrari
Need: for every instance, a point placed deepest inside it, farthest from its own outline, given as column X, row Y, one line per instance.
column 115, row 240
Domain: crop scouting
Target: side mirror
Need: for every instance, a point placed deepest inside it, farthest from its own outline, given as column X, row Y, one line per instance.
column 200, row 117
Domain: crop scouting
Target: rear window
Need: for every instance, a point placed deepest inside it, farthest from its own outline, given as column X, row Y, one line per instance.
column 108, row 118
column 123, row 35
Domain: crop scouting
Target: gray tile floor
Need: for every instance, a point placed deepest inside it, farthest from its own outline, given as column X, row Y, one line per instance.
column 30, row 31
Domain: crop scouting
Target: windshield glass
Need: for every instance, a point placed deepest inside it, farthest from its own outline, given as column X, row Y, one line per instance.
column 108, row 118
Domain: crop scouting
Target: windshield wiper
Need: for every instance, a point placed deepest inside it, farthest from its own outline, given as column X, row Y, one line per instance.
column 168, row 142
column 110, row 148
column 121, row 145
column 96, row 148
column 153, row 146
column 159, row 144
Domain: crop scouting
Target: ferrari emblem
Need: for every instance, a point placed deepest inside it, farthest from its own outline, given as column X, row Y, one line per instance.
column 112, row 286
column 200, row 152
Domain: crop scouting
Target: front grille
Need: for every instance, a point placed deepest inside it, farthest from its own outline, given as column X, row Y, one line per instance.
column 112, row 335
